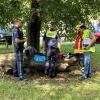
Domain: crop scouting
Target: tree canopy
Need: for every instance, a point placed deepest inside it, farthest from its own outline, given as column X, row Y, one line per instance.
column 69, row 11
column 13, row 9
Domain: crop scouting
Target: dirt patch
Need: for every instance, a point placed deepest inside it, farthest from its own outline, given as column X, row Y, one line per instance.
column 6, row 59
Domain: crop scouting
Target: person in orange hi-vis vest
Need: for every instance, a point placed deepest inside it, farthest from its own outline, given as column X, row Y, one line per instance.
column 78, row 40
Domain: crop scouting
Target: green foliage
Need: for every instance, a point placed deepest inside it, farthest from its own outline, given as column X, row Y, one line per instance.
column 70, row 12
column 11, row 10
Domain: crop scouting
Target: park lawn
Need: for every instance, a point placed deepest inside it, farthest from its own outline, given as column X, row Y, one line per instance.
column 64, row 87
column 50, row 89
column 3, row 49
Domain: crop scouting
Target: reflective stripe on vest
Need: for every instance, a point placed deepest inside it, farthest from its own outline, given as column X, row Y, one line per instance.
column 92, row 49
column 51, row 34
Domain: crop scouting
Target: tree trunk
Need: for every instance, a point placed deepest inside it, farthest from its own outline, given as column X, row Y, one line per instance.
column 34, row 26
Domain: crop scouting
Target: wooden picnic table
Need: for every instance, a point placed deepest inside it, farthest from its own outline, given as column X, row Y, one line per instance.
column 6, row 40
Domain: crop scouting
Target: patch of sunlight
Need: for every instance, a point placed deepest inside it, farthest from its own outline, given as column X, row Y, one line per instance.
column 9, row 56
column 46, row 87
column 97, row 73
column 91, row 86
column 52, row 93
column 76, row 72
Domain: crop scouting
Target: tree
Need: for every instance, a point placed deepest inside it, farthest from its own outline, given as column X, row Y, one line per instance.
column 71, row 12
column 34, row 26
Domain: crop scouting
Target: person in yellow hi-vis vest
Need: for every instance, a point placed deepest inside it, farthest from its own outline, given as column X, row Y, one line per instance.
column 52, row 48
column 86, row 38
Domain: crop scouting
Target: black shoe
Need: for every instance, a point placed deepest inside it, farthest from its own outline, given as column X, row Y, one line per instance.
column 16, row 75
column 88, row 76
column 23, row 79
column 46, row 72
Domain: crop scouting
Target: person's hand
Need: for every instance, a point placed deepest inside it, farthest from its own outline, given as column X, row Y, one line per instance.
column 87, row 48
column 25, row 39
column 84, row 48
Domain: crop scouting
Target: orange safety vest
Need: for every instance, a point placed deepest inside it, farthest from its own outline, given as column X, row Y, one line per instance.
column 78, row 43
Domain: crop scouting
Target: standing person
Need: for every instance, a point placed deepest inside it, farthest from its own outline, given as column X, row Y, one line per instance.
column 96, row 37
column 78, row 40
column 78, row 45
column 52, row 46
column 86, row 37
column 18, row 42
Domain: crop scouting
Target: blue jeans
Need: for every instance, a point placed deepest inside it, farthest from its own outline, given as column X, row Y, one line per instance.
column 87, row 65
column 18, row 64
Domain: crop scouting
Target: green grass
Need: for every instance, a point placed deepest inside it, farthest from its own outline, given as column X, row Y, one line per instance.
column 67, row 48
column 50, row 89
column 3, row 49
column 64, row 87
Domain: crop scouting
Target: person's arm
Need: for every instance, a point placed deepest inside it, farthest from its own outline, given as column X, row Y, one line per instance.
column 16, row 34
column 44, row 39
column 58, row 41
column 59, row 45
column 92, row 42
column 17, row 40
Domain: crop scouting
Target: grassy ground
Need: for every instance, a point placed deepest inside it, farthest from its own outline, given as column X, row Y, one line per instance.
column 3, row 49
column 64, row 87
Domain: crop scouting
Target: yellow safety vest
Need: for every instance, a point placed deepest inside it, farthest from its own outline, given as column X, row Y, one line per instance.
column 86, row 36
column 51, row 34
column 86, row 33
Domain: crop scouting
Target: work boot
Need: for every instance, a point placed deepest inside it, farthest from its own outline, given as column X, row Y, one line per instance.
column 82, row 77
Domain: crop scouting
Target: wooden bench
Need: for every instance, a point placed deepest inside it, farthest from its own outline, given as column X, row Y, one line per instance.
column 4, row 41
column 7, row 40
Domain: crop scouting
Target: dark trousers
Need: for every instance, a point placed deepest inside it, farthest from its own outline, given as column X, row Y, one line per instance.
column 51, row 59
column 18, row 64
column 51, row 54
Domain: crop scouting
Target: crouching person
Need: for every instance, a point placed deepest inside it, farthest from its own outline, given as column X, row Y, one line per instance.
column 18, row 42
column 52, row 47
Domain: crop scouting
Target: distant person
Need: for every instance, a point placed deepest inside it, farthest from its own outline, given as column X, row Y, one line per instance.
column 96, row 37
column 18, row 42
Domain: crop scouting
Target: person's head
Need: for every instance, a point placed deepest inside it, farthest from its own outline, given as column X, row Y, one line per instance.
column 82, row 27
column 18, row 23
column 77, row 28
column 52, row 26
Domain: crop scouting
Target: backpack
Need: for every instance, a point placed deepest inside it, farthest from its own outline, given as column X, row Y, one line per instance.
column 29, row 51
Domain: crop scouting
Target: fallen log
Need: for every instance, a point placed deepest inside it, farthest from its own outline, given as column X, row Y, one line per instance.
column 30, row 65
column 61, row 66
